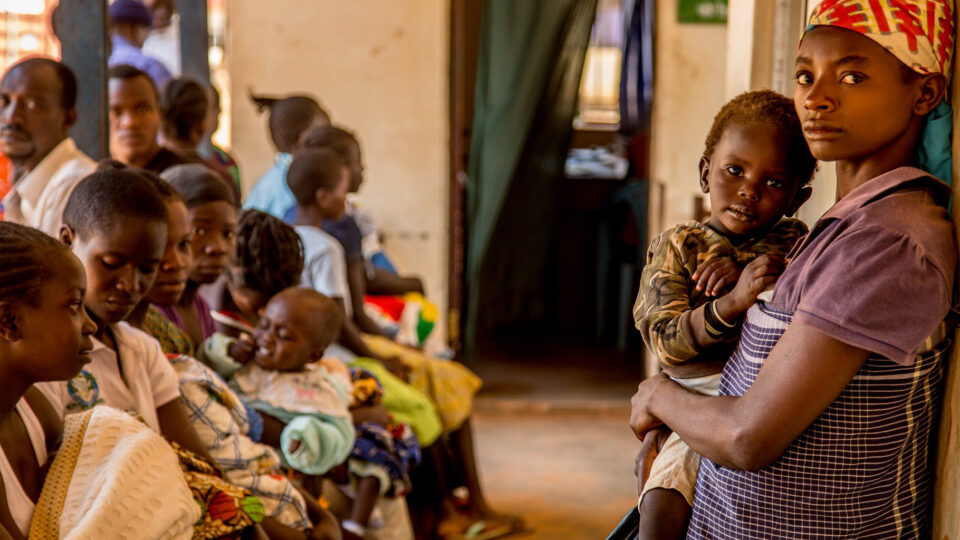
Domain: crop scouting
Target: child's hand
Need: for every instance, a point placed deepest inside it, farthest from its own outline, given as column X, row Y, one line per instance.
column 715, row 274
column 759, row 274
column 241, row 350
column 293, row 446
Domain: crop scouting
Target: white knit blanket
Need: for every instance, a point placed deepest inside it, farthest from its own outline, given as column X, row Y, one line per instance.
column 113, row 478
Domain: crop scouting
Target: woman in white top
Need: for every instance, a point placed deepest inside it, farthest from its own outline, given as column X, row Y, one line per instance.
column 44, row 336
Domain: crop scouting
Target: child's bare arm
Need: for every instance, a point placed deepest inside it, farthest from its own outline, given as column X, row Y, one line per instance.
column 351, row 338
column 272, row 428
column 175, row 426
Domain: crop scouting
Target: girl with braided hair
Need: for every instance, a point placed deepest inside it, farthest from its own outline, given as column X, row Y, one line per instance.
column 44, row 335
column 289, row 118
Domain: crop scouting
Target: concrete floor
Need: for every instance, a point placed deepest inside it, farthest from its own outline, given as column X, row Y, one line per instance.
column 569, row 474
column 553, row 439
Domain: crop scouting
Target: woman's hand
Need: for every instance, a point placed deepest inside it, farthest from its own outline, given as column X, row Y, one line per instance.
column 715, row 274
column 642, row 421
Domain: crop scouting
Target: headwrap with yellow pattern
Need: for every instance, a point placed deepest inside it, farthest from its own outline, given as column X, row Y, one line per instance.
column 920, row 33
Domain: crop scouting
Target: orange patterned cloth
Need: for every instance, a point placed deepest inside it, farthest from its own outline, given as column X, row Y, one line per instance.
column 918, row 32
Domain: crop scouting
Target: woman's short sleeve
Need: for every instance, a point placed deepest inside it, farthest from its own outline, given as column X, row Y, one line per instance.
column 875, row 289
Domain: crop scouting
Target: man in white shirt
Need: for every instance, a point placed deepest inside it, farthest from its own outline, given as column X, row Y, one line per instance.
column 37, row 108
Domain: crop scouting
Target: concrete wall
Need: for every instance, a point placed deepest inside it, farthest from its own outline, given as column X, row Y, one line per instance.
column 380, row 67
column 688, row 91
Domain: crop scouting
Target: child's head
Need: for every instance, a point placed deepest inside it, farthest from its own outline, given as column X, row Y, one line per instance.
column 290, row 117
column 297, row 325
column 174, row 267
column 44, row 329
column 320, row 179
column 269, row 259
column 177, row 258
column 863, row 89
column 184, row 105
column 756, row 164
column 213, row 219
column 116, row 222
column 342, row 142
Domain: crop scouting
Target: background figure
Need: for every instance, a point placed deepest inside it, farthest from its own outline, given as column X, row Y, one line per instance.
column 163, row 42
column 130, row 23
column 135, row 121
column 38, row 105
column 185, row 110
column 289, row 118
column 209, row 150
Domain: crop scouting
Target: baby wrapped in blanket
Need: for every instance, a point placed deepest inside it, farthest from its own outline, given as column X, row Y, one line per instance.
column 291, row 381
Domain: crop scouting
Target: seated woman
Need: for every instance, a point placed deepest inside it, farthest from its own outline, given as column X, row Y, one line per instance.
column 852, row 337
column 45, row 335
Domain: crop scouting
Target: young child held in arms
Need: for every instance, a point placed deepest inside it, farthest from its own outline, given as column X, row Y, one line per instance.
column 291, row 381
column 700, row 278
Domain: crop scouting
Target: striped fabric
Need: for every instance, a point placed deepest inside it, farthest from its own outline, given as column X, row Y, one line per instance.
column 861, row 470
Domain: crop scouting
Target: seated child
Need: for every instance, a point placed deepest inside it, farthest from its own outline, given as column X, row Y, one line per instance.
column 290, row 380
column 700, row 278
column 268, row 256
column 289, row 117
column 213, row 220
column 348, row 229
column 319, row 180
column 405, row 316
column 116, row 223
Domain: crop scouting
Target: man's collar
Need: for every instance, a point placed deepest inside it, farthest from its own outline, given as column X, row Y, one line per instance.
column 31, row 186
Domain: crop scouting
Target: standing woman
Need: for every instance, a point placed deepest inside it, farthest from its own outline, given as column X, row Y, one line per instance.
column 827, row 406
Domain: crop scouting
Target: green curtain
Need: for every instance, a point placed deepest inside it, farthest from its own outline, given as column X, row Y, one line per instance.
column 528, row 78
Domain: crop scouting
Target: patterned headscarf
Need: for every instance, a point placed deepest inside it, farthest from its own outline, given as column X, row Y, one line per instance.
column 918, row 32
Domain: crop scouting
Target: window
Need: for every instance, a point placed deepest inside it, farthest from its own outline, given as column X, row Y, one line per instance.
column 24, row 30
column 600, row 83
